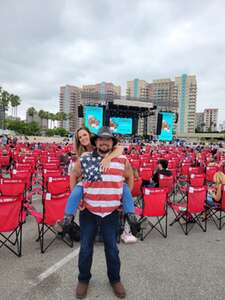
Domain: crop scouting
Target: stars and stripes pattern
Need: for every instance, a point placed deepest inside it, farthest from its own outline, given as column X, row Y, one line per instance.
column 102, row 190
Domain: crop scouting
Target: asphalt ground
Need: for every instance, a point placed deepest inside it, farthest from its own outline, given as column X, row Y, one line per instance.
column 178, row 267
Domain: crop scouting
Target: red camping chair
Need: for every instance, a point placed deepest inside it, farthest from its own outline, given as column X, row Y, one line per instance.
column 11, row 222
column 197, row 180
column 12, row 187
column 210, row 171
column 137, row 191
column 24, row 175
column 53, row 211
column 167, row 183
column 146, row 173
column 135, row 163
column 154, row 206
column 50, row 173
column 188, row 214
column 217, row 212
column 58, row 185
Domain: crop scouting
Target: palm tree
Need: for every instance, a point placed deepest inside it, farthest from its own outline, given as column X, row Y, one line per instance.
column 41, row 115
column 47, row 117
column 52, row 119
column 31, row 112
column 14, row 101
column 61, row 116
column 4, row 103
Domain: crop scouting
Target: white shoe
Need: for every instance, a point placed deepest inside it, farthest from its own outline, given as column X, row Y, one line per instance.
column 128, row 238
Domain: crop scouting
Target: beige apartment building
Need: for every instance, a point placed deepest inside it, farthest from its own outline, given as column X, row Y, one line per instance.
column 210, row 119
column 137, row 89
column 199, row 121
column 187, row 97
column 104, row 91
column 69, row 100
column 163, row 94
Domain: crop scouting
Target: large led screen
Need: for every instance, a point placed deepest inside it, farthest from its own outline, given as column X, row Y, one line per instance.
column 93, row 117
column 167, row 126
column 121, row 125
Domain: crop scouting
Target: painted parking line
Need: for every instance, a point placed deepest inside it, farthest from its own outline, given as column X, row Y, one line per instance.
column 54, row 268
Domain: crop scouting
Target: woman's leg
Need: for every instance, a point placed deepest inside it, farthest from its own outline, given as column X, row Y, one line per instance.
column 127, row 200
column 74, row 200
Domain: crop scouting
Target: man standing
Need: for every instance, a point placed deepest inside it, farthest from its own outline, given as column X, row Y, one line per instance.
column 102, row 199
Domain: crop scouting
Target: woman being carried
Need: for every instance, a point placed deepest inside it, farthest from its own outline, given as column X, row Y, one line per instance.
column 83, row 146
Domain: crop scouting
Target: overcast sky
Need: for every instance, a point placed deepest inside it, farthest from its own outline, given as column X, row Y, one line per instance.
column 49, row 43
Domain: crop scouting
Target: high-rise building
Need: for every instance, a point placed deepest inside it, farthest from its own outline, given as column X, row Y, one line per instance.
column 163, row 94
column 199, row 121
column 187, row 96
column 210, row 119
column 104, row 91
column 69, row 100
column 222, row 126
column 137, row 89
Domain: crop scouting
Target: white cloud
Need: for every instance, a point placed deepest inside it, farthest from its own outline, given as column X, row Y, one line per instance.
column 46, row 44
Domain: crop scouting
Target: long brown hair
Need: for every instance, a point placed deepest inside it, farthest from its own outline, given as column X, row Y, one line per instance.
column 78, row 147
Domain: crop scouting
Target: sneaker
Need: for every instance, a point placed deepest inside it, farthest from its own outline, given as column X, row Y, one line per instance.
column 119, row 289
column 134, row 224
column 81, row 290
column 128, row 238
column 63, row 225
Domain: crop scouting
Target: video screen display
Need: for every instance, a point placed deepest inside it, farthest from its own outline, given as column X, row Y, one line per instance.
column 93, row 117
column 121, row 125
column 167, row 126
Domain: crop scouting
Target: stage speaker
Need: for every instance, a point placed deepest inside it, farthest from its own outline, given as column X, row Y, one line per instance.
column 80, row 111
column 176, row 118
column 159, row 124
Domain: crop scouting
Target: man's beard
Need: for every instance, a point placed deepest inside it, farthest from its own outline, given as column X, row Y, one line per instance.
column 104, row 151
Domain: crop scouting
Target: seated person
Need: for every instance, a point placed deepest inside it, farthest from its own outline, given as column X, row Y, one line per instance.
column 161, row 169
column 215, row 195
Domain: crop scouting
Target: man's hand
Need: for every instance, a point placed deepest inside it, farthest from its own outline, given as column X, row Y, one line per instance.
column 105, row 164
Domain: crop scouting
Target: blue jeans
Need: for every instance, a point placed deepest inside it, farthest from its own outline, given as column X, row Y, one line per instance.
column 109, row 225
column 209, row 200
column 77, row 194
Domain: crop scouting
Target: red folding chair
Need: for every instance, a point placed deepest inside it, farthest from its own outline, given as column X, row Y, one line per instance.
column 135, row 163
column 217, row 212
column 197, row 180
column 146, row 173
column 49, row 173
column 210, row 171
column 188, row 214
column 12, row 187
column 167, row 183
column 58, row 185
column 154, row 207
column 12, row 218
column 53, row 211
column 24, row 175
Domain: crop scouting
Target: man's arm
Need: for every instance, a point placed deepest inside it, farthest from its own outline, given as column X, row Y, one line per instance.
column 117, row 151
column 128, row 175
column 75, row 174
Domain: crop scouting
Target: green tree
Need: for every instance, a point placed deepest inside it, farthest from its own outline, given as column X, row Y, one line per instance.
column 52, row 119
column 41, row 115
column 31, row 112
column 4, row 104
column 61, row 116
column 15, row 101
column 23, row 128
column 47, row 117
